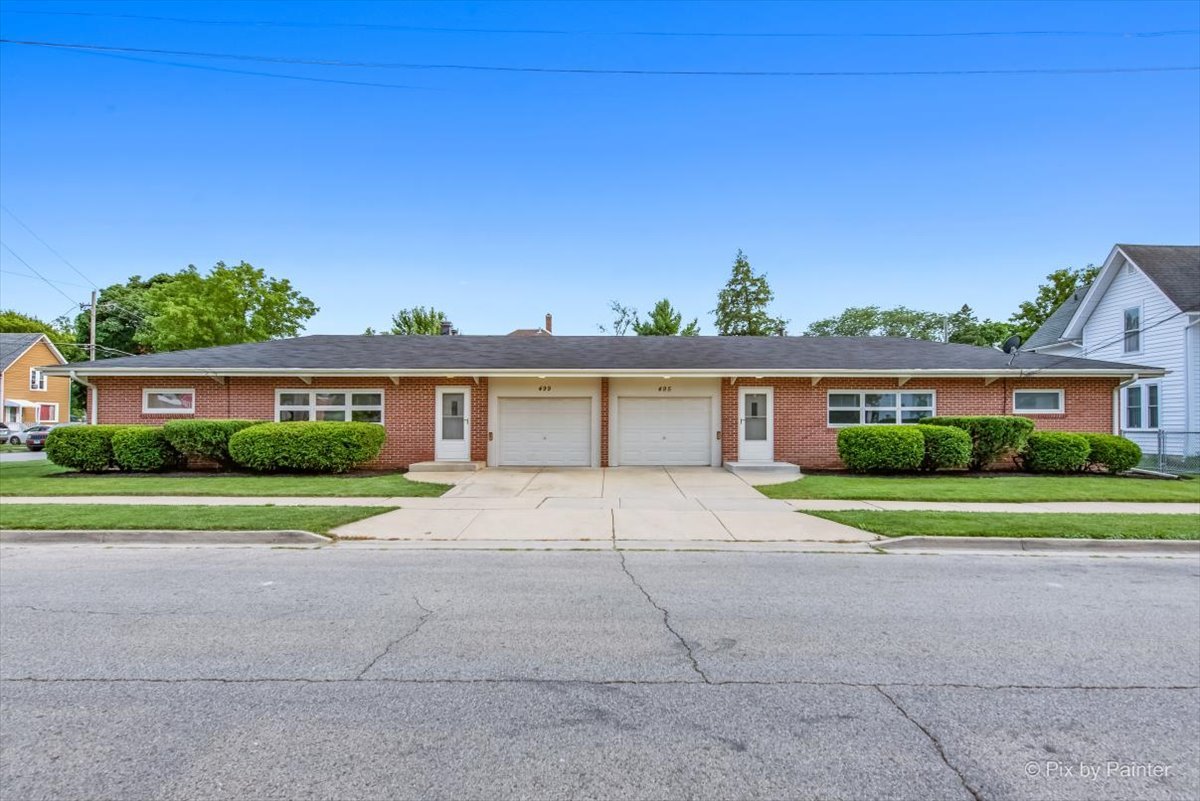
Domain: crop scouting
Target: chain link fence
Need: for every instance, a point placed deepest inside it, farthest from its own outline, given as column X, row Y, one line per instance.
column 1175, row 452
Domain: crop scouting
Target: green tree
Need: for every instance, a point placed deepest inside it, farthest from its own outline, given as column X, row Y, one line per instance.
column 664, row 321
column 1050, row 295
column 418, row 320
column 228, row 306
column 14, row 322
column 120, row 317
column 742, row 304
column 965, row 328
column 962, row 326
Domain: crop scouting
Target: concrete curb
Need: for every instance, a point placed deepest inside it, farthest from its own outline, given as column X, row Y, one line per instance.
column 162, row 537
column 1042, row 545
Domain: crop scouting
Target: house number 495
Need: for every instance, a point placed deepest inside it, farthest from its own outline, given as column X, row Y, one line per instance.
column 664, row 388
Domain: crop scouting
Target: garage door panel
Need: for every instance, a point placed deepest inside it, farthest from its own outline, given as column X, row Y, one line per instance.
column 667, row 431
column 545, row 431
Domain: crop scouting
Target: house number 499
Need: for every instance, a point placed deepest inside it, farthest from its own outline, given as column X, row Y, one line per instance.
column 544, row 388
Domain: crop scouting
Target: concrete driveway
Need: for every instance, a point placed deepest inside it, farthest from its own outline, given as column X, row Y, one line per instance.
column 625, row 505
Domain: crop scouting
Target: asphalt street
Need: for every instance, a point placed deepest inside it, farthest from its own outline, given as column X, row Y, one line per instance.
column 231, row 673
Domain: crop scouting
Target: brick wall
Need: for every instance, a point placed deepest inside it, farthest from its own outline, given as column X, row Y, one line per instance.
column 803, row 437
column 409, row 408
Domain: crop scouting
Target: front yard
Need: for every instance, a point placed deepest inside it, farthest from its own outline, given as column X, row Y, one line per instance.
column 317, row 519
column 44, row 478
column 1002, row 488
column 1001, row 524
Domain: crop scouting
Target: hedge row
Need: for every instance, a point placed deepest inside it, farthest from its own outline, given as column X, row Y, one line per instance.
column 956, row 442
column 903, row 449
column 315, row 447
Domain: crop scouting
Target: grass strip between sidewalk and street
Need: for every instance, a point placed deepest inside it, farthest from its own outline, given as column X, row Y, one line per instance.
column 34, row 479
column 1021, row 524
column 96, row 517
column 979, row 489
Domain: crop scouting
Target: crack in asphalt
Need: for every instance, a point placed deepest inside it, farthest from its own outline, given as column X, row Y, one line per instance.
column 666, row 618
column 937, row 744
column 603, row 683
column 157, row 613
column 411, row 632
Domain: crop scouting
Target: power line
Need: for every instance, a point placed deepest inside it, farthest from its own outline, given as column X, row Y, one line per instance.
column 49, row 283
column 1083, row 352
column 48, row 247
column 61, row 283
column 383, row 26
column 597, row 71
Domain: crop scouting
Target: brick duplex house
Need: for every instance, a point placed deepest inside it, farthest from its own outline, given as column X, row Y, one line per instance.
column 604, row 401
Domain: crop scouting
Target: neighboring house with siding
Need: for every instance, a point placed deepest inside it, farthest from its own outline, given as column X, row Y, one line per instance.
column 28, row 394
column 604, row 401
column 1143, row 307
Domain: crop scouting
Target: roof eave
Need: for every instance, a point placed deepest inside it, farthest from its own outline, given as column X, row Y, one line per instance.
column 450, row 372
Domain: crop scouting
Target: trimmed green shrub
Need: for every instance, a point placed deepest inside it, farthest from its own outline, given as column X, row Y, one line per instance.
column 144, row 449
column 1115, row 454
column 881, row 449
column 307, row 447
column 1054, row 452
column 992, row 437
column 86, row 448
column 946, row 447
column 207, row 439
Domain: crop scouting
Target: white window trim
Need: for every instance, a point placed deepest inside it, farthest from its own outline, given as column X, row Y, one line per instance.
column 1144, row 406
column 37, row 417
column 1062, row 402
column 348, row 407
column 146, row 393
column 42, row 383
column 862, row 409
column 1140, row 330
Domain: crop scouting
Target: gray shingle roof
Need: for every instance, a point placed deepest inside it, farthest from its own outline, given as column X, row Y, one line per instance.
column 1052, row 330
column 1174, row 268
column 482, row 354
column 13, row 345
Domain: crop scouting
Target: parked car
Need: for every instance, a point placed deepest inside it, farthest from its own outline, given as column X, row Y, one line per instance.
column 35, row 436
column 22, row 437
column 4, row 432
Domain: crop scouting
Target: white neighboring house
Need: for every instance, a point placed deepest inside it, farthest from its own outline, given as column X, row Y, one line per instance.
column 1143, row 308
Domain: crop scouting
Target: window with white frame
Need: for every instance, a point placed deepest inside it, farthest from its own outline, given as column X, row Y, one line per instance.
column 47, row 412
column 37, row 379
column 1141, row 406
column 1133, row 329
column 357, row 405
column 168, row 401
column 852, row 408
column 1038, row 401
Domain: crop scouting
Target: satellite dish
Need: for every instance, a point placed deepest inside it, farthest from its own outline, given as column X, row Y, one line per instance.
column 1011, row 344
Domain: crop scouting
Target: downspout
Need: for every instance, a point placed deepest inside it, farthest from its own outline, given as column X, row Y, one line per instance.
column 1117, row 401
column 93, row 399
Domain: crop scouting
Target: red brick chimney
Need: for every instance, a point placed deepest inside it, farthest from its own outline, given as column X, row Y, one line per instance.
column 549, row 323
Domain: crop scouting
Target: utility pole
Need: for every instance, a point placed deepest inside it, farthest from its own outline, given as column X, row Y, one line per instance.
column 92, row 329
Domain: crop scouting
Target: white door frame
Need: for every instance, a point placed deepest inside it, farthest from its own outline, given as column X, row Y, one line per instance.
column 756, row 450
column 452, row 450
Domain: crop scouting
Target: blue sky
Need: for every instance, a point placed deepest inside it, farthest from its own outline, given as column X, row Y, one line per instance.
column 498, row 197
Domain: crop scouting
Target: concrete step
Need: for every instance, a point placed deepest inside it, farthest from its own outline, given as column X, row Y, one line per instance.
column 445, row 467
column 764, row 472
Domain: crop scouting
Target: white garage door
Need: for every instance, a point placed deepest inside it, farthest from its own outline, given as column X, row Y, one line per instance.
column 664, row 430
column 545, row 431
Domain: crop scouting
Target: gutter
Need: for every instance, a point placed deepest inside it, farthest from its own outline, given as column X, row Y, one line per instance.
column 93, row 399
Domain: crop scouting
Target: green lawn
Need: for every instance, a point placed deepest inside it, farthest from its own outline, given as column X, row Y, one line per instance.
column 317, row 519
column 1001, row 524
column 986, row 488
column 43, row 478
column 6, row 448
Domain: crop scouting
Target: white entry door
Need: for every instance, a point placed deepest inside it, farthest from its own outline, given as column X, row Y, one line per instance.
column 756, row 424
column 453, row 427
